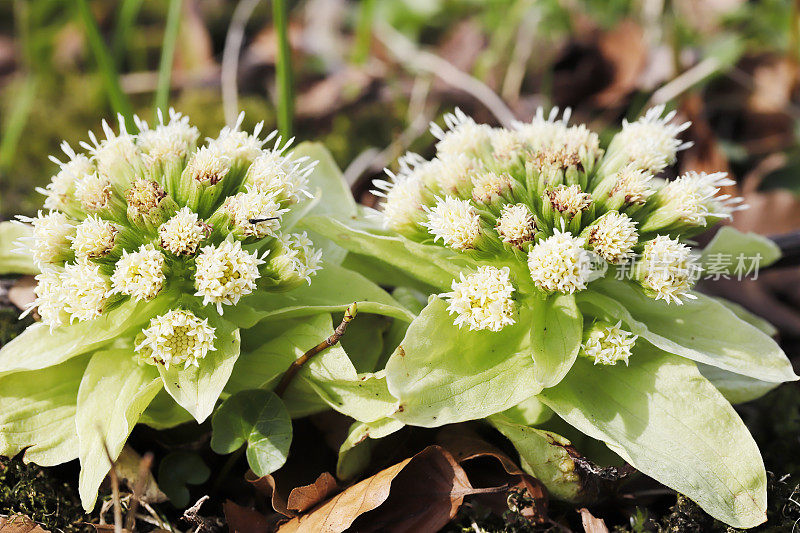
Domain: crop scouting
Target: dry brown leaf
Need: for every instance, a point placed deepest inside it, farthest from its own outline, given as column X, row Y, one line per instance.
column 267, row 486
column 592, row 524
column 128, row 466
column 21, row 292
column 480, row 459
column 20, row 524
column 304, row 498
column 245, row 520
column 625, row 50
column 422, row 493
column 333, row 92
column 705, row 155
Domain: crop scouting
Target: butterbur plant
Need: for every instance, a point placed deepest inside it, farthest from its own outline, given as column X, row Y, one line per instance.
column 561, row 278
column 153, row 253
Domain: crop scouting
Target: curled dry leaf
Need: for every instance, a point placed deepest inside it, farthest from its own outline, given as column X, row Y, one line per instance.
column 304, row 498
column 422, row 493
column 480, row 460
column 625, row 50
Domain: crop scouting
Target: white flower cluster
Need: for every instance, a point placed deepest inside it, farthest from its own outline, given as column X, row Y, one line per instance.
column 143, row 212
column 482, row 300
column 608, row 344
column 546, row 197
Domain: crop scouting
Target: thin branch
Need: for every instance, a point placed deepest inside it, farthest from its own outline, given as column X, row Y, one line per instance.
column 298, row 363
column 114, row 490
column 230, row 59
column 138, row 490
column 405, row 51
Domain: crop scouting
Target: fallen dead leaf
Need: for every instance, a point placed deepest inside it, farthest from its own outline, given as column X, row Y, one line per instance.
column 422, row 493
column 21, row 292
column 20, row 524
column 267, row 486
column 592, row 524
column 304, row 498
column 480, row 459
column 625, row 50
column 705, row 155
column 128, row 466
column 245, row 520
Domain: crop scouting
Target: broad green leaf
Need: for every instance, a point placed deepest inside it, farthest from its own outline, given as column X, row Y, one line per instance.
column 12, row 262
column 542, row 455
column 434, row 265
column 735, row 387
column 197, row 389
column 442, row 374
column 729, row 244
column 663, row 417
column 37, row 412
column 364, row 340
column 333, row 289
column 179, row 469
column 329, row 379
column 384, row 274
column 38, row 347
column 557, row 330
column 164, row 413
column 702, row 330
column 114, row 392
column 750, row 318
column 333, row 194
column 364, row 397
column 355, row 451
column 259, row 419
column 530, row 412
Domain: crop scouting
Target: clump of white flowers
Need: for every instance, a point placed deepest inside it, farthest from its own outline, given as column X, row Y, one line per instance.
column 607, row 344
column 482, row 300
column 544, row 199
column 149, row 212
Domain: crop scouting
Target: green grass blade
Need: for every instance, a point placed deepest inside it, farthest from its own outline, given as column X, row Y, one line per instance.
column 168, row 54
column 126, row 16
column 119, row 100
column 283, row 69
column 363, row 32
column 16, row 121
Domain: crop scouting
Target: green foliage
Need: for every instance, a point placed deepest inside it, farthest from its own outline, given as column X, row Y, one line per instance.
column 654, row 414
column 257, row 418
column 176, row 471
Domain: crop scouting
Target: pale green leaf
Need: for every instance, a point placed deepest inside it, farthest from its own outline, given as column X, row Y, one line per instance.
column 442, row 374
column 164, row 413
column 530, row 412
column 333, row 289
column 723, row 252
column 37, row 412
column 542, row 455
column 333, row 196
column 114, row 392
column 384, row 274
column 38, row 347
column 355, row 451
column 702, row 330
column 750, row 318
column 364, row 397
column 557, row 329
column 197, row 389
column 669, row 422
column 434, row 265
column 259, row 419
column 12, row 262
column 735, row 387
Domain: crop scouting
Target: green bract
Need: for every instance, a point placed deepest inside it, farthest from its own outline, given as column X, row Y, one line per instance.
column 559, row 274
column 154, row 260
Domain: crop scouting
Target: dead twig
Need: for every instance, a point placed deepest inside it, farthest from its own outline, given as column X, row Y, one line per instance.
column 298, row 363
column 114, row 491
column 405, row 51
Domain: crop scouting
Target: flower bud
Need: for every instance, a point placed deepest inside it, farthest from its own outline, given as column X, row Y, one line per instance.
column 606, row 344
column 482, row 300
